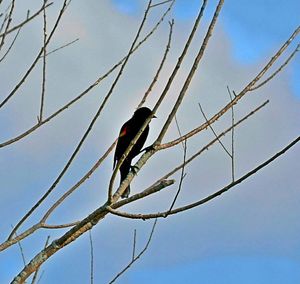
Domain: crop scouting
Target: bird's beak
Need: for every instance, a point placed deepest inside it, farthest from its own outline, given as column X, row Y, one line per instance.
column 153, row 116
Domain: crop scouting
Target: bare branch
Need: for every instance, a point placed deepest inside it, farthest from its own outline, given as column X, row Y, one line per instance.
column 93, row 218
column 181, row 57
column 80, row 182
column 84, row 225
column 40, row 118
column 12, row 6
column 60, row 226
column 11, row 45
column 42, row 224
column 21, row 250
column 237, row 97
column 89, row 128
column 134, row 244
column 28, row 19
column 191, row 73
column 182, row 176
column 137, row 257
column 148, row 154
column 80, row 96
column 11, row 94
column 92, row 257
column 211, row 143
column 232, row 136
column 151, row 190
column 21, row 236
column 179, row 131
column 158, row 186
column 277, row 71
column 272, row 61
column 62, row 47
column 213, row 131
column 161, row 3
column 210, row 197
column 160, row 66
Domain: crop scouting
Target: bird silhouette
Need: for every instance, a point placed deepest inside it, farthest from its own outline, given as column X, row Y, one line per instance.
column 127, row 133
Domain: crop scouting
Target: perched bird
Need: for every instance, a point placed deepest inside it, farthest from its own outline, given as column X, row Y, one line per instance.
column 127, row 134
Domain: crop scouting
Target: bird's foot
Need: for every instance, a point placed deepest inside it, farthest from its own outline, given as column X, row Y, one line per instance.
column 126, row 193
column 134, row 169
column 149, row 148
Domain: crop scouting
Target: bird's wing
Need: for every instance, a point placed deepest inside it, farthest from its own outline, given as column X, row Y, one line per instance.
column 125, row 129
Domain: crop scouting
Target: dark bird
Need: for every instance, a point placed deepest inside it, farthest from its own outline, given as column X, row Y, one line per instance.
column 127, row 133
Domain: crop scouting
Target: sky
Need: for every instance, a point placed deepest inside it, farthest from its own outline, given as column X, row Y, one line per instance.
column 248, row 235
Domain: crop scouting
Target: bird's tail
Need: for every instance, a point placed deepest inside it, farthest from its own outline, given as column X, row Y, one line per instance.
column 124, row 172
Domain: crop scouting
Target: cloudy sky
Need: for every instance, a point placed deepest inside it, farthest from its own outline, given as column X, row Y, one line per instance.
column 248, row 235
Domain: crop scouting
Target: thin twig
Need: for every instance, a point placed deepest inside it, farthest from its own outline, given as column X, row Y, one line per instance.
column 210, row 197
column 61, row 47
column 160, row 66
column 26, row 21
column 42, row 224
column 278, row 70
column 212, row 142
column 59, row 226
column 21, row 249
column 92, row 256
column 3, row 22
column 137, row 257
column 80, row 182
column 182, row 176
column 181, row 57
column 213, row 131
column 29, row 70
column 86, row 91
column 192, row 72
column 12, row 6
column 246, row 89
column 11, row 45
column 232, row 137
column 40, row 278
column 161, row 3
column 134, row 244
column 179, row 131
column 40, row 118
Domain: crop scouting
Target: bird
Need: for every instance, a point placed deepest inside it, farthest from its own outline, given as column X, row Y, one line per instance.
column 127, row 133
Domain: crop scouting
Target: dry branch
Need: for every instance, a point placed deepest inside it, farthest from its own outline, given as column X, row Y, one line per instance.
column 28, row 19
column 87, row 90
column 136, row 257
column 210, row 197
column 13, row 92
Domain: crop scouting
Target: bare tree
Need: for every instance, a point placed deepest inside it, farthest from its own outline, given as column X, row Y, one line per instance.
column 49, row 203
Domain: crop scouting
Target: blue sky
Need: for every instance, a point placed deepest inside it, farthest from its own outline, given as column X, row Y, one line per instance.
column 254, row 27
column 250, row 235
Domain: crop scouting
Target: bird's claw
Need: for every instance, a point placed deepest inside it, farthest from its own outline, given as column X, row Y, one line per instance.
column 134, row 169
column 147, row 149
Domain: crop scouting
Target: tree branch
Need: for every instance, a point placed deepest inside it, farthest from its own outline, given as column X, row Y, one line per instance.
column 210, row 197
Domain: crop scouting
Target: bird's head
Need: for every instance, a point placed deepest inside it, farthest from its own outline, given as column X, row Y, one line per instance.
column 143, row 113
